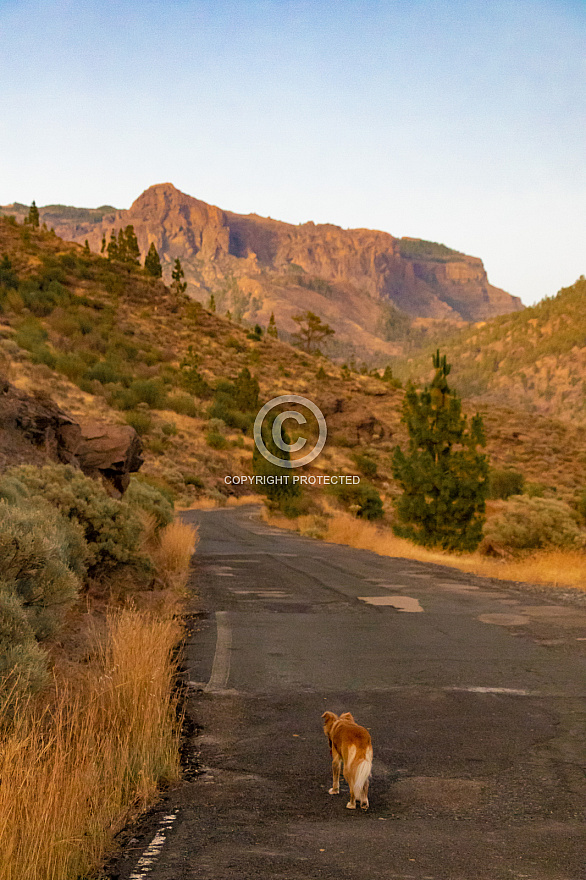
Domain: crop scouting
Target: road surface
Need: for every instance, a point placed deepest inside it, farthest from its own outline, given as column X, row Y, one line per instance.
column 473, row 692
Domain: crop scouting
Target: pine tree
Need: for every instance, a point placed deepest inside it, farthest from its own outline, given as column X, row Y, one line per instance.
column 272, row 327
column 132, row 248
column 86, row 248
column 246, row 391
column 122, row 249
column 152, row 262
column 312, row 331
column 179, row 285
column 112, row 248
column 443, row 475
column 33, row 215
column 212, row 303
column 282, row 492
column 103, row 248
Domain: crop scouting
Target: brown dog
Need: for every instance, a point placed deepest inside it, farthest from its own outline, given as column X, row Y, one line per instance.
column 351, row 744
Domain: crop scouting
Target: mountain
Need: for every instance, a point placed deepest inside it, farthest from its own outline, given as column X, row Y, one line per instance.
column 534, row 361
column 109, row 344
column 377, row 291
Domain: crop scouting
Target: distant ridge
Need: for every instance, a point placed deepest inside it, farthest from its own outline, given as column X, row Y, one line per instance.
column 370, row 286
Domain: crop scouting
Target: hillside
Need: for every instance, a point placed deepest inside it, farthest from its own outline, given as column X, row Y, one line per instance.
column 107, row 342
column 381, row 294
column 533, row 361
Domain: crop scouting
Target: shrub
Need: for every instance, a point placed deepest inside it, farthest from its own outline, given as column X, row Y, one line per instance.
column 504, row 483
column 365, row 464
column 111, row 527
column 141, row 421
column 182, row 404
column 194, row 480
column 149, row 391
column 152, row 501
column 532, row 523
column 106, row 372
column 363, row 498
column 42, row 558
column 216, row 440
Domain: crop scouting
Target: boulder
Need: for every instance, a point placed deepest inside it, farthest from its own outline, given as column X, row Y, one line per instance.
column 111, row 452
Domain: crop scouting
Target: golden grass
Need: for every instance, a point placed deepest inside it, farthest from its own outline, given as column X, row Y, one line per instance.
column 73, row 773
column 175, row 547
column 562, row 568
column 232, row 501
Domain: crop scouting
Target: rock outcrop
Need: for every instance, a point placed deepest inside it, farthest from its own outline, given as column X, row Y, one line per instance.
column 112, row 452
column 34, row 430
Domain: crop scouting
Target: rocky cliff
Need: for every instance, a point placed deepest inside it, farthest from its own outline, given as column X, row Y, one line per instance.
column 349, row 276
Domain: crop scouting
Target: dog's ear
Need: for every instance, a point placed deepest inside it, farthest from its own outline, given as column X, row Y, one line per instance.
column 329, row 718
column 347, row 716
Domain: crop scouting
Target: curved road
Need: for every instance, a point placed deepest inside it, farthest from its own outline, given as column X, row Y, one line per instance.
column 473, row 693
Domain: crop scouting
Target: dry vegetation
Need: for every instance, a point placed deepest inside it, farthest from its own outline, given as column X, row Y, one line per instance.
column 74, row 771
column 563, row 568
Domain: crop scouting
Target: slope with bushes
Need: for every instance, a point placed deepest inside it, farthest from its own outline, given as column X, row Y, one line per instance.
column 533, row 361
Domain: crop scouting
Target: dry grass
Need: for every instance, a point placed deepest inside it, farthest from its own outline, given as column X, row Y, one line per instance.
column 563, row 568
column 73, row 773
column 172, row 553
column 232, row 501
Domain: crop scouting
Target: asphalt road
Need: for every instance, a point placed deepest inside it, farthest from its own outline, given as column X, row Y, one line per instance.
column 473, row 694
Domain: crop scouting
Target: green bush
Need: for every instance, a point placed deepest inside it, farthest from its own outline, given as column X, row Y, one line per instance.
column 216, row 440
column 194, row 480
column 504, row 483
column 182, row 404
column 42, row 559
column 111, row 527
column 149, row 391
column 139, row 420
column 365, row 464
column 148, row 498
column 363, row 498
column 533, row 523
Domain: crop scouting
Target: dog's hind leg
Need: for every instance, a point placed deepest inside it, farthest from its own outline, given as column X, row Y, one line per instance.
column 336, row 764
column 351, row 805
column 351, row 780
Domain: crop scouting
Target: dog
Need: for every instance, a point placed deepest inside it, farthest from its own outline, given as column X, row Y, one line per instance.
column 350, row 744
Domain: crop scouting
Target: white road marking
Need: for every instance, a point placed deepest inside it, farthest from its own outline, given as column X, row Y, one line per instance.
column 514, row 692
column 402, row 603
column 221, row 665
column 146, row 862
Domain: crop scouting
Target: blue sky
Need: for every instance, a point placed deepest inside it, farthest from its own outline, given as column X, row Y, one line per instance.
column 462, row 122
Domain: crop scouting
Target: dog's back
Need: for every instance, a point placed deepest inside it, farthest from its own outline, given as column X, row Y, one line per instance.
column 352, row 744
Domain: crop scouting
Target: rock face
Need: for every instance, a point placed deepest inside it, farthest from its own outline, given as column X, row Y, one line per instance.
column 256, row 265
column 34, row 430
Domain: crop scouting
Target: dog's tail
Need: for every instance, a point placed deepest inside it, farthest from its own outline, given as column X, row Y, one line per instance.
column 362, row 773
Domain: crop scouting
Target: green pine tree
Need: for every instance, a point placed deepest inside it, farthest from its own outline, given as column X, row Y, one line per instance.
column 86, row 248
column 443, row 475
column 122, row 249
column 282, row 492
column 179, row 286
column 272, row 327
column 152, row 262
column 212, row 303
column 246, row 391
column 33, row 215
column 132, row 253
column 103, row 248
column 112, row 248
